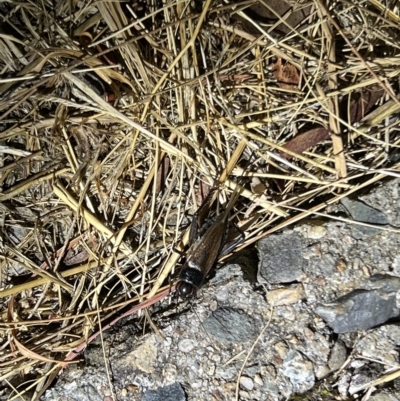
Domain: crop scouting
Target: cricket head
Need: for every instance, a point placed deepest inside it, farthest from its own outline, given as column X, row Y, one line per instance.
column 186, row 290
column 190, row 279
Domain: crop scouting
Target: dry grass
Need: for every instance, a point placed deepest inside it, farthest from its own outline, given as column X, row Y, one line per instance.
column 112, row 114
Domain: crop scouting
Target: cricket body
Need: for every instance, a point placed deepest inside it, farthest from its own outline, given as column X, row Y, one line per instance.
column 205, row 252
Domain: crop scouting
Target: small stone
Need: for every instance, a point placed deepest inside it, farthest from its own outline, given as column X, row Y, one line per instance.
column 258, row 380
column 246, row 383
column 286, row 296
column 299, row 370
column 225, row 372
column 170, row 372
column 281, row 258
column 282, row 349
column 382, row 282
column 144, row 357
column 173, row 392
column 359, row 211
column 124, row 392
column 272, row 388
column 341, row 265
column 385, row 397
column 228, row 324
column 337, row 357
column 315, row 232
column 186, row 345
column 322, row 371
column 197, row 384
column 359, row 310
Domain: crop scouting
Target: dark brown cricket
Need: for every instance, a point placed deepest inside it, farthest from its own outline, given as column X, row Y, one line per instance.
column 205, row 252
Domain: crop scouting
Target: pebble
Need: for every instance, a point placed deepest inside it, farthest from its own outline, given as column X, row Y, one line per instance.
column 173, row 392
column 315, row 232
column 170, row 372
column 360, row 211
column 338, row 356
column 281, row 258
column 143, row 357
column 258, row 380
column 186, row 345
column 359, row 310
column 299, row 371
column 286, row 296
column 246, row 383
column 231, row 325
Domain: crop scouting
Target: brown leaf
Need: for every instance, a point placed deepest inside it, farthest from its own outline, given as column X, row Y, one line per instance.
column 15, row 344
column 361, row 106
column 162, row 173
column 202, row 193
column 286, row 74
column 306, row 140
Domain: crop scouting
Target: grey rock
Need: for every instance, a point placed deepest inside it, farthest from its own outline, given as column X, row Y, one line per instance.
column 337, row 357
column 281, row 258
column 271, row 388
column 299, row 371
column 173, row 392
column 359, row 211
column 226, row 372
column 358, row 310
column 227, row 324
column 246, row 383
column 186, row 345
column 385, row 397
column 384, row 282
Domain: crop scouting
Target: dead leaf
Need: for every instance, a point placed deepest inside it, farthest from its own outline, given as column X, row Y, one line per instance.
column 306, row 140
column 286, row 74
column 361, row 107
column 162, row 173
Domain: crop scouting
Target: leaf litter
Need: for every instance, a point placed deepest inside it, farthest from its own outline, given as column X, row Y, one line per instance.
column 116, row 117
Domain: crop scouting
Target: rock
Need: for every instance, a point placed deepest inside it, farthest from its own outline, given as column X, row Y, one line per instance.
column 385, row 397
column 321, row 371
column 144, row 357
column 186, row 345
column 281, row 258
column 173, row 392
column 286, row 296
column 314, row 228
column 246, row 383
column 337, row 357
column 226, row 372
column 359, row 310
column 385, row 283
column 258, row 380
column 359, row 211
column 227, row 324
column 316, row 232
column 170, row 372
column 299, row 371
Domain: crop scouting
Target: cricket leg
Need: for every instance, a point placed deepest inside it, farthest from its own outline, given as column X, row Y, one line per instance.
column 231, row 244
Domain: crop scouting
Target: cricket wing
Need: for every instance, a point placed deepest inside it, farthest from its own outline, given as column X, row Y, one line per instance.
column 205, row 253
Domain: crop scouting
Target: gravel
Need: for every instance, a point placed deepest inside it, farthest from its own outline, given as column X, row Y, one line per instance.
column 322, row 313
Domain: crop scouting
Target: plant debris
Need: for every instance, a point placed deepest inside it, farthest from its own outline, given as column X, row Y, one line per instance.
column 115, row 118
